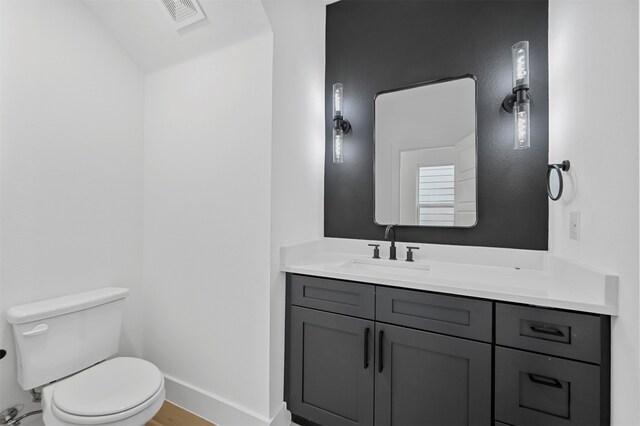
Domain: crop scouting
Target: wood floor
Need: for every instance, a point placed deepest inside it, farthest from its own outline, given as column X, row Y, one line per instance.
column 172, row 415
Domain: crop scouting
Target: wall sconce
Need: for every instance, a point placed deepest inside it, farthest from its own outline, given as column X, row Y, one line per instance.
column 518, row 101
column 340, row 126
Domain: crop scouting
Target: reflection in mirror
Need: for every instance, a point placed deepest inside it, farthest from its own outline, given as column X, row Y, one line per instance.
column 425, row 154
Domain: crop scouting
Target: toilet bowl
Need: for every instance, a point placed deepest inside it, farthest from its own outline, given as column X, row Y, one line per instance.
column 120, row 391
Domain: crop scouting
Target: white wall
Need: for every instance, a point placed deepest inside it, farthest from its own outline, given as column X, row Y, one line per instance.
column 593, row 88
column 207, row 216
column 196, row 233
column 71, row 165
column 297, row 155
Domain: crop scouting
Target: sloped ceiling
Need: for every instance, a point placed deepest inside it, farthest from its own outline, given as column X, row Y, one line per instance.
column 145, row 31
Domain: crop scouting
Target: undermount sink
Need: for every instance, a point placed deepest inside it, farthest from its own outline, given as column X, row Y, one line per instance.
column 388, row 267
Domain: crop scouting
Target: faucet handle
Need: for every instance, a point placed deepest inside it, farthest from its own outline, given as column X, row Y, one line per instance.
column 410, row 253
column 376, row 250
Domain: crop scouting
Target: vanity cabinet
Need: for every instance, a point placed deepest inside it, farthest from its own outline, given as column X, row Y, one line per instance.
column 359, row 354
column 364, row 354
column 330, row 343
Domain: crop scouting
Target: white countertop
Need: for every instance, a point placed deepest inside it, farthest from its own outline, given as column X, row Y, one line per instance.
column 535, row 278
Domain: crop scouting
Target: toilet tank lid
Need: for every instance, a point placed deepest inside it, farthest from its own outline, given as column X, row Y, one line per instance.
column 63, row 305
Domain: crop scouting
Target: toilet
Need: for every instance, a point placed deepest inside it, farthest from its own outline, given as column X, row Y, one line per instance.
column 66, row 344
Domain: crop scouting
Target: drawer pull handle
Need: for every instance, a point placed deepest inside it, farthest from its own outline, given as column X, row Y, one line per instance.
column 366, row 348
column 546, row 330
column 380, row 336
column 547, row 381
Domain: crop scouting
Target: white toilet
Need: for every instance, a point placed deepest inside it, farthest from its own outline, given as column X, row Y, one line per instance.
column 63, row 344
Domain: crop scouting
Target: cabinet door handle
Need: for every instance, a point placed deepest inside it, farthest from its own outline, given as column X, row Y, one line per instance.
column 380, row 336
column 547, row 381
column 546, row 330
column 366, row 348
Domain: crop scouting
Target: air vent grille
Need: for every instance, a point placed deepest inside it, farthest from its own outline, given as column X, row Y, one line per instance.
column 183, row 12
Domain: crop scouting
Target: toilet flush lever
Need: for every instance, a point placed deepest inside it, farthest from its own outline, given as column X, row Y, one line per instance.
column 38, row 329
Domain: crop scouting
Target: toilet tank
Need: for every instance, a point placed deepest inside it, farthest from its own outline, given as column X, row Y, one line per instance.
column 58, row 337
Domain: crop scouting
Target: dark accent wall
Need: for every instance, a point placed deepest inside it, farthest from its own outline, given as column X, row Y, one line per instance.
column 383, row 44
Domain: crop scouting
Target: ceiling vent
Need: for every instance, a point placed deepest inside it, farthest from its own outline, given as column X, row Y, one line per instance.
column 183, row 12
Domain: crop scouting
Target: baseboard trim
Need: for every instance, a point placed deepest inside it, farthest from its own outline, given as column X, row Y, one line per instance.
column 217, row 409
column 282, row 418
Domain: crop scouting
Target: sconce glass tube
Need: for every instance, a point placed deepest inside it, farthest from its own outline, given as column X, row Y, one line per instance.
column 337, row 100
column 338, row 156
column 340, row 125
column 520, row 61
column 518, row 102
column 521, row 125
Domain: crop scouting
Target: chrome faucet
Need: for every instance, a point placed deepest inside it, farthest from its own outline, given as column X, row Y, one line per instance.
column 392, row 249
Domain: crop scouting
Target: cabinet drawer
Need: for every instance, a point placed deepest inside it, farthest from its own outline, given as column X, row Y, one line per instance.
column 533, row 389
column 456, row 316
column 342, row 297
column 565, row 334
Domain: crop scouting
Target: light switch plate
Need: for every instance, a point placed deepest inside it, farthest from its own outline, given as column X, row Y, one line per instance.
column 574, row 225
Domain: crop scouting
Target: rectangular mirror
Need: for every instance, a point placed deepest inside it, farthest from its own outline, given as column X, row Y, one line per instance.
column 425, row 154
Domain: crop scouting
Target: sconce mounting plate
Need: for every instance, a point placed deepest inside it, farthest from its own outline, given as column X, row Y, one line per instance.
column 510, row 100
column 341, row 123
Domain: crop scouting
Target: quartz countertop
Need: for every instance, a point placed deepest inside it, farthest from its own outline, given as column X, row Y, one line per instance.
column 533, row 278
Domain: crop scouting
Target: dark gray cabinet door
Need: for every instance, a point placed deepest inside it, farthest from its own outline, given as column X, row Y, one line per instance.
column 426, row 379
column 331, row 377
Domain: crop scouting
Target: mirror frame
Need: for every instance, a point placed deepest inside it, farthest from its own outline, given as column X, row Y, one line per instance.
column 413, row 86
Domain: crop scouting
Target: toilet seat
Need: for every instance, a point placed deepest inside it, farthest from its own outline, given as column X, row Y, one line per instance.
column 114, row 390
